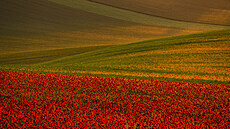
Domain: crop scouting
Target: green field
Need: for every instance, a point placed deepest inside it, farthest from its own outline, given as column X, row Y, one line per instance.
column 202, row 57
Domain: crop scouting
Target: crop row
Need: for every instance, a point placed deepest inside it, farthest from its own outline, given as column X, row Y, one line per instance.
column 30, row 100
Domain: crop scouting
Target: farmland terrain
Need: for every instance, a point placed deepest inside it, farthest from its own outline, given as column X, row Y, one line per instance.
column 27, row 26
column 202, row 57
column 106, row 64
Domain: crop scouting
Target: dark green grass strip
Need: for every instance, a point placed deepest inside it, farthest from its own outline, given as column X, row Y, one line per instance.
column 43, row 56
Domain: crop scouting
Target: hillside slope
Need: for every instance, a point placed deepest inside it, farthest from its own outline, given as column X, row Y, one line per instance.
column 201, row 11
column 40, row 24
column 203, row 56
column 45, row 25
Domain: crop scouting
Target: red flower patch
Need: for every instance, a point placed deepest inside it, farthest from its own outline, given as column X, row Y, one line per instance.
column 67, row 101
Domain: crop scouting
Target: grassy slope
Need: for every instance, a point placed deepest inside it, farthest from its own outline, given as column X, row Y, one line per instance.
column 203, row 11
column 44, row 25
column 197, row 57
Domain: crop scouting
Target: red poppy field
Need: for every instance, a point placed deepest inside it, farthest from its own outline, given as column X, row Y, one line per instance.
column 30, row 100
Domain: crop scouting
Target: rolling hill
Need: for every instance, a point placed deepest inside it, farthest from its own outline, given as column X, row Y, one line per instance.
column 201, row 57
column 42, row 25
column 39, row 25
